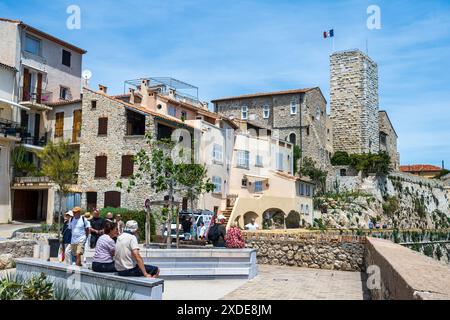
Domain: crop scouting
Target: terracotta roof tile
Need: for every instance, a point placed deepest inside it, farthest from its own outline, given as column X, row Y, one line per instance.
column 420, row 168
column 264, row 94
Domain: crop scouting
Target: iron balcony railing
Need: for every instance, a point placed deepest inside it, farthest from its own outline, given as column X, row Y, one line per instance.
column 27, row 180
column 34, row 96
column 9, row 128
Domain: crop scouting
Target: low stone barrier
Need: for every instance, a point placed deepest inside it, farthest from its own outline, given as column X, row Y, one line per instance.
column 206, row 263
column 309, row 250
column 12, row 249
column 398, row 273
column 40, row 237
column 88, row 283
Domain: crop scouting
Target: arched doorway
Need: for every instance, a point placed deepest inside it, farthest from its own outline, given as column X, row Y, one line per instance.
column 274, row 219
column 293, row 138
column 293, row 220
column 249, row 216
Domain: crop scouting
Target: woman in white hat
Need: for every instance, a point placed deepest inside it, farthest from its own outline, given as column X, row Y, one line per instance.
column 218, row 232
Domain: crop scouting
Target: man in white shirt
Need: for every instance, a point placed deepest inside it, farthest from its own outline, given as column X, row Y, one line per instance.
column 252, row 226
column 80, row 229
column 128, row 261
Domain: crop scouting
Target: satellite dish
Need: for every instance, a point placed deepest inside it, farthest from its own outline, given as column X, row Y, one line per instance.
column 87, row 74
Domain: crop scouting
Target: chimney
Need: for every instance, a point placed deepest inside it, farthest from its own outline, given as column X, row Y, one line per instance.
column 102, row 88
column 144, row 92
column 131, row 96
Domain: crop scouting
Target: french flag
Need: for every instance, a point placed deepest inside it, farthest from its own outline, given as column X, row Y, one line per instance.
column 328, row 34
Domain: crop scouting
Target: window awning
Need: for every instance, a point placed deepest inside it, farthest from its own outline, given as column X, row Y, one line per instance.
column 13, row 104
column 256, row 177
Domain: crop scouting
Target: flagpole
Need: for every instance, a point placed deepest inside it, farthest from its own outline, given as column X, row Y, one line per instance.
column 333, row 45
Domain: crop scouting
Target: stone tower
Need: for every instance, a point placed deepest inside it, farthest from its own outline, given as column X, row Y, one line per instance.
column 354, row 102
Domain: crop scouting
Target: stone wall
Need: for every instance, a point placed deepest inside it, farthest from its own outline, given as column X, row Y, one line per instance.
column 113, row 145
column 390, row 146
column 309, row 250
column 354, row 102
column 11, row 249
column 398, row 273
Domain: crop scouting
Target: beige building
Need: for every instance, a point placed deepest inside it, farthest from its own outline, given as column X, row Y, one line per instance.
column 37, row 70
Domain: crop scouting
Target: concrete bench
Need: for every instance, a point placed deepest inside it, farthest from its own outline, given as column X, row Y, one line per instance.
column 205, row 263
column 87, row 282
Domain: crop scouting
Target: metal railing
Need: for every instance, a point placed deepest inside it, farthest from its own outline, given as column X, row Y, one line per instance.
column 23, row 180
column 36, row 97
column 9, row 128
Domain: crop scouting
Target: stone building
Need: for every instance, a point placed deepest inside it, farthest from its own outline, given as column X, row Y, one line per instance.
column 358, row 126
column 354, row 102
column 388, row 139
column 298, row 116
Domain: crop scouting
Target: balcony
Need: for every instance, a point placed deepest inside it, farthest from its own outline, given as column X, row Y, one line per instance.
column 32, row 180
column 73, row 136
column 38, row 99
column 10, row 128
column 36, row 141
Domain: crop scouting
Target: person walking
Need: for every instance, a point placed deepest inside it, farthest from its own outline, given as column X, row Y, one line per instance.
column 66, row 239
column 120, row 224
column 79, row 227
column 105, row 249
column 202, row 231
column 128, row 260
column 97, row 226
column 186, row 224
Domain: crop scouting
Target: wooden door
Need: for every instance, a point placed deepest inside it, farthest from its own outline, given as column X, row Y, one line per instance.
column 59, row 125
column 25, row 205
column 76, row 129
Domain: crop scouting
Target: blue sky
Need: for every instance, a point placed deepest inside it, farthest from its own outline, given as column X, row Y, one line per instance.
column 236, row 47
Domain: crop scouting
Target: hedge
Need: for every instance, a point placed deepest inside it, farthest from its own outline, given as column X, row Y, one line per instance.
column 138, row 215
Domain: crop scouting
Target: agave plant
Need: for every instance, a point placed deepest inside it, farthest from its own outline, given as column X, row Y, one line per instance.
column 107, row 293
column 62, row 292
column 11, row 287
column 38, row 288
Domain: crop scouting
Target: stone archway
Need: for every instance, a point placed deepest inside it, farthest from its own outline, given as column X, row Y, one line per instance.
column 249, row 216
column 293, row 220
column 274, row 218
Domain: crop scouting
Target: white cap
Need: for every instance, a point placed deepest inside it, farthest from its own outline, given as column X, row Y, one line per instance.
column 70, row 213
column 221, row 217
column 131, row 226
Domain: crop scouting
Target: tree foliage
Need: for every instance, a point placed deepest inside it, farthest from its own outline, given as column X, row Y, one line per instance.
column 340, row 158
column 318, row 176
column 377, row 163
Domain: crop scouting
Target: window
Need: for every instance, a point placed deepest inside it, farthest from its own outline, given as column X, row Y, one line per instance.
column 217, row 153
column 302, row 208
column 244, row 182
column 63, row 93
column 127, row 165
column 293, row 107
column 266, row 112
column 258, row 186
column 217, row 181
column 343, row 172
column 135, row 123
column 259, row 161
column 244, row 112
column 94, row 104
column 66, row 56
column 243, row 159
column 307, row 131
column 32, row 45
column 112, row 199
column 280, row 161
column 308, row 190
column 318, row 113
column 59, row 125
column 383, row 138
column 183, row 115
column 91, row 199
column 172, row 111
column 307, row 210
column 102, row 126
column 100, row 166
column 302, row 189
column 292, row 138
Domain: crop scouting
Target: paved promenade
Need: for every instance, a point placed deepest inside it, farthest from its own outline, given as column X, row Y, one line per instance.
column 293, row 283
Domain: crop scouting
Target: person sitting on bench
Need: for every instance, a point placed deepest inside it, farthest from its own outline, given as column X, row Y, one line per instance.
column 129, row 262
column 105, row 249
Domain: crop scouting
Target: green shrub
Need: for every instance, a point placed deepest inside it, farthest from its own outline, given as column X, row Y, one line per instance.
column 137, row 215
column 38, row 288
column 340, row 158
column 391, row 206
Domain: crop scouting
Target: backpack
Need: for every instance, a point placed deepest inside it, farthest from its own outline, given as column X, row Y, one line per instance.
column 213, row 234
column 84, row 224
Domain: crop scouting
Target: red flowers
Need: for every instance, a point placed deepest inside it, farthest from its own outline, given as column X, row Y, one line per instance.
column 234, row 239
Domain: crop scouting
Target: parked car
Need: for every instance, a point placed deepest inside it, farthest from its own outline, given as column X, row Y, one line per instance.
column 199, row 216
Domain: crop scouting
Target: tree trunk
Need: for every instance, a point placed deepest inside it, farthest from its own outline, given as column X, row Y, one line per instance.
column 192, row 208
column 169, row 218
column 60, row 214
column 148, row 230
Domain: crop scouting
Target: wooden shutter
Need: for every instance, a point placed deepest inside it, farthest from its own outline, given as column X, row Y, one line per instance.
column 100, row 166
column 76, row 130
column 112, row 199
column 127, row 166
column 26, row 85
column 39, row 88
column 59, row 125
column 102, row 126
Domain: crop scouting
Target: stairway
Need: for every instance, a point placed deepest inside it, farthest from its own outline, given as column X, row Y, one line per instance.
column 231, row 199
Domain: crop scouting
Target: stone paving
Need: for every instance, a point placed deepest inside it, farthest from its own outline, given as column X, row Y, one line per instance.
column 7, row 229
column 294, row 283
